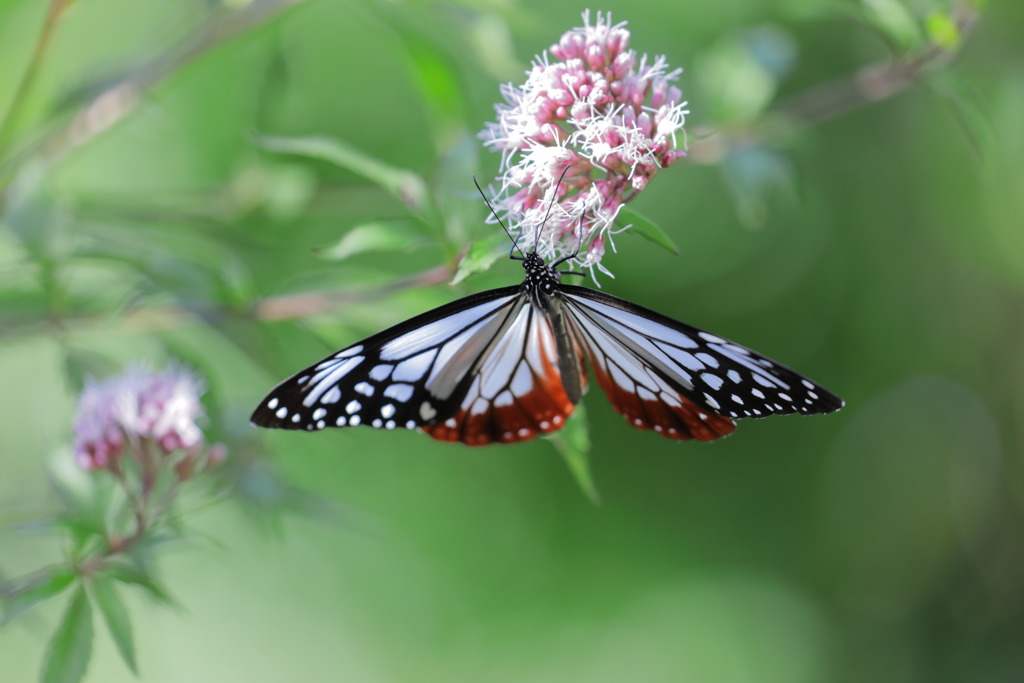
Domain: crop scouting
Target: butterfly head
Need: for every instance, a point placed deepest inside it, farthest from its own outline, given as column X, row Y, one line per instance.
column 540, row 276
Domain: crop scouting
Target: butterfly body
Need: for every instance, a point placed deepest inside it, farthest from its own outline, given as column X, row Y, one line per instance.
column 507, row 365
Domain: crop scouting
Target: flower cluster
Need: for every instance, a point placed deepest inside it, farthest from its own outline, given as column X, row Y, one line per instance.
column 596, row 113
column 144, row 413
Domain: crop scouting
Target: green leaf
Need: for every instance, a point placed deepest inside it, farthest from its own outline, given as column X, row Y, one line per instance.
column 406, row 185
column 24, row 598
column 756, row 175
column 739, row 87
column 646, row 228
column 440, row 89
column 68, row 654
column 968, row 111
column 480, row 256
column 573, row 443
column 492, row 47
column 943, row 31
column 116, row 616
column 894, row 20
column 457, row 199
column 382, row 235
column 432, row 52
column 81, row 364
column 136, row 577
column 290, row 188
column 33, row 214
column 84, row 514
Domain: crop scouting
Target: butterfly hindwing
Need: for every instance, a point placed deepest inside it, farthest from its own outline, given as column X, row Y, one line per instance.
column 685, row 383
column 517, row 391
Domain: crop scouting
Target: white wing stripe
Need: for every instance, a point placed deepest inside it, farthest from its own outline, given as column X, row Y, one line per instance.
column 438, row 331
column 413, row 369
column 664, row 359
column 327, row 378
column 504, row 357
column 636, row 323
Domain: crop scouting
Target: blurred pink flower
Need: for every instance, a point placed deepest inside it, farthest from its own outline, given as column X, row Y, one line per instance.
column 138, row 411
column 608, row 116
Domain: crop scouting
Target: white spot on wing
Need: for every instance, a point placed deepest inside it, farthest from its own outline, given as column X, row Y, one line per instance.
column 399, row 392
column 272, row 403
column 364, row 388
column 379, row 373
column 713, row 381
column 707, row 359
column 387, row 411
column 333, row 395
column 281, row 413
column 353, row 407
column 413, row 369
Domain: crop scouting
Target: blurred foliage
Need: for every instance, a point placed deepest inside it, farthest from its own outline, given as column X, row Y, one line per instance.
column 247, row 185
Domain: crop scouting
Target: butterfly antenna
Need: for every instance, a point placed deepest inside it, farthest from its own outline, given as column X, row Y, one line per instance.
column 551, row 205
column 579, row 245
column 515, row 242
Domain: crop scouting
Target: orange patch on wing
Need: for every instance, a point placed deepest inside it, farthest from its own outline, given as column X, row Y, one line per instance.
column 685, row 421
column 529, row 416
column 543, row 409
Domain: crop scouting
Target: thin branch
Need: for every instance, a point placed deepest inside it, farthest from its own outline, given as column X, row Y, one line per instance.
column 117, row 101
column 867, row 85
column 11, row 116
column 149, row 319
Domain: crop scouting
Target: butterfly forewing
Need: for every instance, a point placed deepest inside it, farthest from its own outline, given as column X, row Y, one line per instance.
column 656, row 370
column 410, row 375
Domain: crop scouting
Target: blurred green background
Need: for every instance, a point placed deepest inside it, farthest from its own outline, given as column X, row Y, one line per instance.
column 879, row 251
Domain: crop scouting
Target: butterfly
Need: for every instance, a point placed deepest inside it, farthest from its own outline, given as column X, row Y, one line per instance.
column 508, row 364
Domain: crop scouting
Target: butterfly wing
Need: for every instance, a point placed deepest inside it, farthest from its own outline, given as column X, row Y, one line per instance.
column 682, row 382
column 476, row 370
column 401, row 377
column 517, row 391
